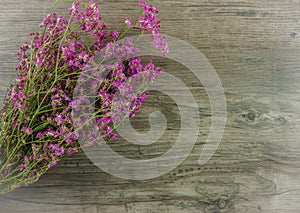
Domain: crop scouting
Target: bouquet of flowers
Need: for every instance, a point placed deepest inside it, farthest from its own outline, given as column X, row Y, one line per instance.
column 36, row 123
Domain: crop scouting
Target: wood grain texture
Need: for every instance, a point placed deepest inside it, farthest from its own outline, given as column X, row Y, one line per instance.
column 255, row 48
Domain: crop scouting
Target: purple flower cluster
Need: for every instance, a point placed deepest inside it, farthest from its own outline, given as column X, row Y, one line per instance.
column 17, row 98
column 149, row 22
column 36, row 120
column 120, row 95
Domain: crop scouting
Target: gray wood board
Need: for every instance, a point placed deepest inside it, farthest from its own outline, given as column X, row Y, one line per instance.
column 254, row 47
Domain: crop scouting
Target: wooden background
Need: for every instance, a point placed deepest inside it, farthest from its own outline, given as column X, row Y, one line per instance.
column 255, row 48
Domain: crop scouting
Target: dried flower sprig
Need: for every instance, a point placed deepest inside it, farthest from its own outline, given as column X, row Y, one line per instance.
column 36, row 125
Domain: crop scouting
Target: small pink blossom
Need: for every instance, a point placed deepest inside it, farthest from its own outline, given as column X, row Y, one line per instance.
column 128, row 21
column 27, row 131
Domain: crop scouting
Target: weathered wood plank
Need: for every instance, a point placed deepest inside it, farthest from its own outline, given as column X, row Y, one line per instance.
column 255, row 48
